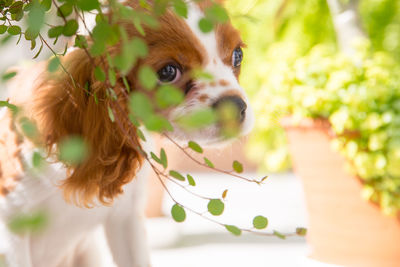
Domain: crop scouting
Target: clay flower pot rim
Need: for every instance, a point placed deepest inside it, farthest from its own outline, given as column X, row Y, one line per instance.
column 290, row 123
column 305, row 123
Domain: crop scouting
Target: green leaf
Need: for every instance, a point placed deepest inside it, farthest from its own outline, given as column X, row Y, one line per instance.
column 88, row 5
column 168, row 95
column 140, row 47
column 147, row 77
column 126, row 84
column 14, row 30
column 16, row 7
column 160, row 6
column 140, row 106
column 36, row 18
column 177, row 175
column 111, row 114
column 131, row 50
column 217, row 13
column 111, row 94
column 80, row 41
column 46, row 4
column 140, row 134
column 197, row 119
column 155, row 158
column 195, row 147
column 28, row 6
column 28, row 128
column 234, row 230
column 178, row 213
column 31, row 34
column 237, row 166
column 301, row 231
column 112, row 77
column 260, row 222
column 150, row 21
column 8, row 75
column 279, row 235
column 180, row 8
column 3, row 29
column 208, row 162
column 216, row 207
column 53, row 64
column 206, row 25
column 33, row 44
column 70, row 28
column 157, row 123
column 163, row 158
column 73, row 150
column 17, row 16
column 200, row 74
column 65, row 10
column 138, row 25
column 99, row 74
column 23, row 223
column 97, row 48
column 55, row 31
column 37, row 160
column 191, row 180
column 11, row 107
column 38, row 52
column 101, row 32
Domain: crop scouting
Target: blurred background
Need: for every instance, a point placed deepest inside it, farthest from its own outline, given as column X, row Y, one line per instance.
column 289, row 43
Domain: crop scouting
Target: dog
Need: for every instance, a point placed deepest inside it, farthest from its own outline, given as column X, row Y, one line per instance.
column 112, row 180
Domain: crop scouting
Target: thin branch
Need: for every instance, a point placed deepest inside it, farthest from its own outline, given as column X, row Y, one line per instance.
column 115, row 105
column 58, row 9
column 211, row 168
column 182, row 186
column 208, row 218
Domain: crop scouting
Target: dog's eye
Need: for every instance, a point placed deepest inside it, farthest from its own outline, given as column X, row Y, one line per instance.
column 237, row 57
column 169, row 74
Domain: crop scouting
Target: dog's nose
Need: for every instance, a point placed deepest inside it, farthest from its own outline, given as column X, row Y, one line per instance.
column 235, row 101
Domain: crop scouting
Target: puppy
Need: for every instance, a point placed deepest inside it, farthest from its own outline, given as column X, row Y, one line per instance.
column 111, row 181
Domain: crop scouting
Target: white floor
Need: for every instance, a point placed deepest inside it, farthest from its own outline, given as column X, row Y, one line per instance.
column 198, row 242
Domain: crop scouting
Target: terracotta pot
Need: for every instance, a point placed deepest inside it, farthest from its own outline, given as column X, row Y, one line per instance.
column 344, row 229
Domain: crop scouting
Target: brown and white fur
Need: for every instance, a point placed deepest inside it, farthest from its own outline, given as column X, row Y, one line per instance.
column 111, row 181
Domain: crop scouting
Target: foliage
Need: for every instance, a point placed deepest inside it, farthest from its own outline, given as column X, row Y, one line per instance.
column 33, row 20
column 381, row 19
column 296, row 69
column 278, row 33
column 360, row 98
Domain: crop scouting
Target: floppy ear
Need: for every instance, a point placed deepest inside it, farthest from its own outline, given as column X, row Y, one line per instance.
column 75, row 103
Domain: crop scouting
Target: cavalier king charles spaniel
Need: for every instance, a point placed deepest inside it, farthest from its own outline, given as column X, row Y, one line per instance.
column 112, row 179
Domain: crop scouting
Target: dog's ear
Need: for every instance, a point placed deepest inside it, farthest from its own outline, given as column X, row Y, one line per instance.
column 75, row 104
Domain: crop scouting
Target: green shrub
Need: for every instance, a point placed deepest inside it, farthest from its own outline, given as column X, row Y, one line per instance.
column 293, row 67
column 360, row 96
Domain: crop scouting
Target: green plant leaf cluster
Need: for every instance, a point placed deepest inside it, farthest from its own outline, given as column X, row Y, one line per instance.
column 360, row 98
column 294, row 68
column 289, row 30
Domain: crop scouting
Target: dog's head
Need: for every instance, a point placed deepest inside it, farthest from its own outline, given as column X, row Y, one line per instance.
column 179, row 48
column 176, row 49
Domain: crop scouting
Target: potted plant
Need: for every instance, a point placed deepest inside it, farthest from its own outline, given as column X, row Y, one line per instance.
column 350, row 105
column 356, row 116
column 339, row 105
